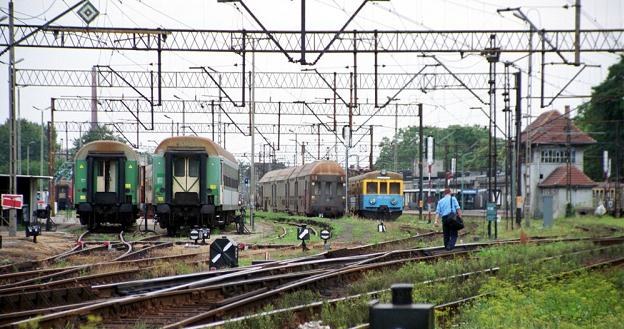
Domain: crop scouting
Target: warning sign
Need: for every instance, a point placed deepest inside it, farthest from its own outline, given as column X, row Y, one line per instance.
column 12, row 201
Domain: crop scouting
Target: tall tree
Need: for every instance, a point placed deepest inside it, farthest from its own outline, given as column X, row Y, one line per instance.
column 30, row 135
column 603, row 118
column 469, row 143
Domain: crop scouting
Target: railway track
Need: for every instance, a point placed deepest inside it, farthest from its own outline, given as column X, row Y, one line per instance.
column 310, row 311
column 172, row 304
column 44, row 270
column 30, row 265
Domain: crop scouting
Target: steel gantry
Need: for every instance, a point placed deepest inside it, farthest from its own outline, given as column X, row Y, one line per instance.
column 371, row 41
column 264, row 80
column 83, row 104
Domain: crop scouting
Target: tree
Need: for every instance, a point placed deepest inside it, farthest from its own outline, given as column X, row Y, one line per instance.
column 95, row 134
column 30, row 135
column 603, row 118
column 469, row 141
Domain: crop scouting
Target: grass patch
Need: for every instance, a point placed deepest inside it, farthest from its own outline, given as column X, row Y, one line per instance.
column 585, row 301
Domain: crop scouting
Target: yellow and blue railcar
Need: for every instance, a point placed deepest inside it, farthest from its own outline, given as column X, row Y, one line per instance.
column 376, row 194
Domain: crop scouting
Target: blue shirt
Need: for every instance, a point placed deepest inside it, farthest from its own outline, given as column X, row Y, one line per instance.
column 444, row 205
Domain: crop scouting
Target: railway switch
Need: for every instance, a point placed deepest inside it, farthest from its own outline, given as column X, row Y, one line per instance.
column 401, row 313
column 223, row 253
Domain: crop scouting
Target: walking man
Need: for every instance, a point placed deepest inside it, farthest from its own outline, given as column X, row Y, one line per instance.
column 446, row 205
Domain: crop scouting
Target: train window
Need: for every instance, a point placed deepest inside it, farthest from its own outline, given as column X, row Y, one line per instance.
column 371, row 187
column 328, row 189
column 317, row 189
column 193, row 167
column 383, row 188
column 395, row 188
column 178, row 167
column 99, row 165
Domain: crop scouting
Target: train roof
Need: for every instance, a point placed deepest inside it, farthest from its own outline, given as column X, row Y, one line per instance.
column 193, row 143
column 276, row 175
column 375, row 174
column 106, row 146
column 321, row 167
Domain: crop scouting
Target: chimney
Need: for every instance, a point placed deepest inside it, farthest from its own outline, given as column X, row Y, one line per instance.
column 567, row 112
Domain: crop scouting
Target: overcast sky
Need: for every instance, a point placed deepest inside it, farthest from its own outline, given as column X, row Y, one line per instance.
column 441, row 107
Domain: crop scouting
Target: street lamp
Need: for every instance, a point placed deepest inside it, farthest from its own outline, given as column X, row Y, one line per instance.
column 28, row 157
column 183, row 117
column 296, row 144
column 41, row 146
column 168, row 117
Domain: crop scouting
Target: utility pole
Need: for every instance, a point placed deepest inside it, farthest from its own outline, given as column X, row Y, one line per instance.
column 252, row 105
column 492, row 55
column 568, row 130
column 618, row 167
column 41, row 139
column 518, row 83
column 396, row 125
column 213, row 121
column 318, row 142
column 372, row 148
column 13, row 130
column 577, row 33
column 420, row 162
column 51, row 156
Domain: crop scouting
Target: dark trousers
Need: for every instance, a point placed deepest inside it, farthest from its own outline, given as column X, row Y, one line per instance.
column 450, row 236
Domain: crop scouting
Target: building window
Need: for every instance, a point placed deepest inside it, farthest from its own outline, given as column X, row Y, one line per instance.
column 557, row 156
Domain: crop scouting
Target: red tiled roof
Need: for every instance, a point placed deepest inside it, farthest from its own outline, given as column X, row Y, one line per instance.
column 559, row 178
column 550, row 128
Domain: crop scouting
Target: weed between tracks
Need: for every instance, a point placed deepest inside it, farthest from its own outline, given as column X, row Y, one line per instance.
column 524, row 263
column 585, row 301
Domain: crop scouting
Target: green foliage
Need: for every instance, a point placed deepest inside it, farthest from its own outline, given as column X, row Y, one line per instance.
column 472, row 141
column 604, row 114
column 30, row 135
column 586, row 301
column 95, row 134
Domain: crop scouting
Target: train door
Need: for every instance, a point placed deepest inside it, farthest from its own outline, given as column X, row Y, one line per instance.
column 105, row 175
column 296, row 196
column 186, row 176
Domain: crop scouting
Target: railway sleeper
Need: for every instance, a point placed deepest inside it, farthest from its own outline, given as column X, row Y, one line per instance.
column 41, row 299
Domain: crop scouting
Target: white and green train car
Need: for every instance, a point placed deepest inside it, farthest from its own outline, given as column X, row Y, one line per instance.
column 194, row 181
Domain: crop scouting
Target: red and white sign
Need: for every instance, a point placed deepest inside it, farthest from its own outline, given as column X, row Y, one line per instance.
column 12, row 201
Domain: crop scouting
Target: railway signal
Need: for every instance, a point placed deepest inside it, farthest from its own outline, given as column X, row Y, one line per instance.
column 223, row 253
column 303, row 234
column 401, row 313
column 325, row 235
column 199, row 233
column 34, row 231
column 194, row 235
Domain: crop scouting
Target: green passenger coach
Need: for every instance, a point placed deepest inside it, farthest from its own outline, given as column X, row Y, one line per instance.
column 106, row 184
column 194, row 182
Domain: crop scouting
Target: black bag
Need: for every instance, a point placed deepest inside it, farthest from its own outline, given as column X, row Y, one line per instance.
column 452, row 220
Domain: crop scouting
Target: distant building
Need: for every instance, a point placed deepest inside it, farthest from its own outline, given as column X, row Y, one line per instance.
column 554, row 138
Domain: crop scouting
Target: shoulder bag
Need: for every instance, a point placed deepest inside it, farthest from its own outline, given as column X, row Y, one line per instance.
column 453, row 220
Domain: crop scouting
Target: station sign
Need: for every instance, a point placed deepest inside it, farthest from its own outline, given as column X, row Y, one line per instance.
column 12, row 201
